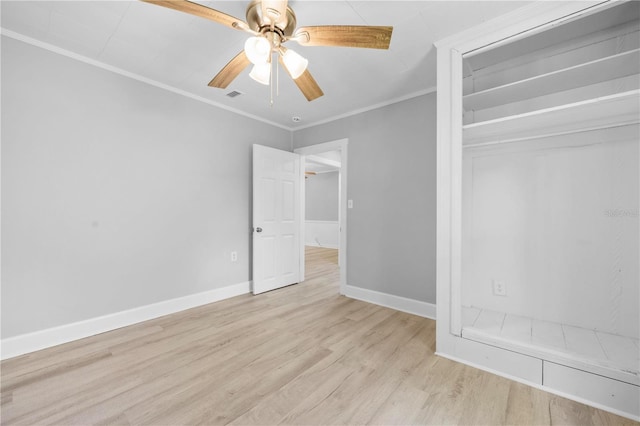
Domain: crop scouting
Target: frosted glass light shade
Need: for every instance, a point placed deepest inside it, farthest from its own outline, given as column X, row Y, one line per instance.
column 261, row 73
column 295, row 63
column 257, row 50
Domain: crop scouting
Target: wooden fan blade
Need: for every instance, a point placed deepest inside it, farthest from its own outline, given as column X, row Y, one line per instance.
column 203, row 12
column 274, row 12
column 345, row 36
column 230, row 71
column 306, row 83
column 308, row 86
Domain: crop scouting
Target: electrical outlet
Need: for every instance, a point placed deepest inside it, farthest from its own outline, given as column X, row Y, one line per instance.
column 499, row 288
column 234, row 256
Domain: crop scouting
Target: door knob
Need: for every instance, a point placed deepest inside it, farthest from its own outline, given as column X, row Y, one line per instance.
column 258, row 229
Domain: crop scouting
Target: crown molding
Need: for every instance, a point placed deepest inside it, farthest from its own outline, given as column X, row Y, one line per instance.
column 64, row 52
column 55, row 49
column 369, row 108
column 518, row 23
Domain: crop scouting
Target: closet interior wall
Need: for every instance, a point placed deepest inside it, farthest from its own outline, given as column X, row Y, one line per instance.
column 550, row 194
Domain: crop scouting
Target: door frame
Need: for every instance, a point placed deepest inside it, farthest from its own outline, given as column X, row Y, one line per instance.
column 337, row 145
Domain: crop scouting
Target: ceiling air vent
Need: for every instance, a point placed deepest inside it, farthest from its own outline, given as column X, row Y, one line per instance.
column 234, row 94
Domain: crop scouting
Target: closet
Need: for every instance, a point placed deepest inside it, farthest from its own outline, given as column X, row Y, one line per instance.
column 542, row 176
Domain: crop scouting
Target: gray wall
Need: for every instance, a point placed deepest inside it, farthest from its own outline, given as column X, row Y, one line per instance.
column 392, row 182
column 321, row 196
column 115, row 194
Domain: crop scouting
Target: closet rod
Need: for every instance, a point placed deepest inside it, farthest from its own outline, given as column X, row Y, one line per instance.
column 550, row 135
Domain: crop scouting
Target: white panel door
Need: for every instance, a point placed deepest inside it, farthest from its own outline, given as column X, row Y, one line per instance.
column 277, row 220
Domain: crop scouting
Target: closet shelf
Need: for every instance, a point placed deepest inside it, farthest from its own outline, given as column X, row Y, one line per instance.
column 607, row 111
column 604, row 69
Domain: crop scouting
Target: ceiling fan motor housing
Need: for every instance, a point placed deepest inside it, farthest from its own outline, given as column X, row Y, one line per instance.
column 285, row 24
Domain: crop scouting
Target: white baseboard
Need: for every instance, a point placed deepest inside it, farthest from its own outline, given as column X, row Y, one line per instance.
column 30, row 342
column 549, row 389
column 416, row 307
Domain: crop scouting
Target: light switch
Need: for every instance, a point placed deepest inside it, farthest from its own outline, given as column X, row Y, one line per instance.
column 350, row 204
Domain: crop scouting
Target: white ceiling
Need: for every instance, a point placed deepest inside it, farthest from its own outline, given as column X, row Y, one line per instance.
column 185, row 52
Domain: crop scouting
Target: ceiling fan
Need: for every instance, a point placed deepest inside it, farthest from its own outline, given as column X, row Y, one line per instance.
column 271, row 24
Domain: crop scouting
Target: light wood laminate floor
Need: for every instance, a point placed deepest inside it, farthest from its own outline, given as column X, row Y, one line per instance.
column 298, row 355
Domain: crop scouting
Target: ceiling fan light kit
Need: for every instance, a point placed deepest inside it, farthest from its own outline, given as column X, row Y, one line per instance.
column 261, row 73
column 295, row 64
column 257, row 49
column 272, row 23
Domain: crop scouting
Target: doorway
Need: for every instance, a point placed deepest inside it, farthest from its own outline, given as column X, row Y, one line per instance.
column 324, row 203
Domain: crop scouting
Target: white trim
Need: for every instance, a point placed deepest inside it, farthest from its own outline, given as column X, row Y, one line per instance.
column 444, row 200
column 455, row 180
column 337, row 145
column 303, row 214
column 519, row 23
column 399, row 303
column 368, row 108
column 541, row 387
column 17, row 36
column 302, row 271
column 30, row 342
column 324, row 162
